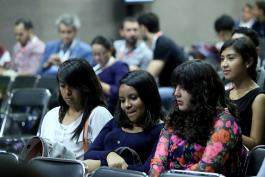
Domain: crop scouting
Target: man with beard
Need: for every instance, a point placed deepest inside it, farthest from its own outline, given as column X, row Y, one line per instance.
column 131, row 50
column 28, row 50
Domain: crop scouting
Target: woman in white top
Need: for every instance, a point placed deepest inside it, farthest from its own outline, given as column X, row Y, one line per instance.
column 81, row 114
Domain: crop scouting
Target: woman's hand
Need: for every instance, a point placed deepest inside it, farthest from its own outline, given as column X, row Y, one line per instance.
column 91, row 165
column 114, row 160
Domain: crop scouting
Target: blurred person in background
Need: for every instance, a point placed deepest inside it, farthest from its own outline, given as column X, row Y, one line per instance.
column 58, row 51
column 108, row 69
column 5, row 58
column 247, row 18
column 28, row 50
column 224, row 26
column 131, row 49
column 166, row 55
column 259, row 27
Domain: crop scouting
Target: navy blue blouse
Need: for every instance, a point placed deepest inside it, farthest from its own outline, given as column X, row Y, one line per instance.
column 112, row 76
column 112, row 137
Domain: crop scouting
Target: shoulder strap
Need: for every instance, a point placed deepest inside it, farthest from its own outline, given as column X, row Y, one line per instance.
column 85, row 137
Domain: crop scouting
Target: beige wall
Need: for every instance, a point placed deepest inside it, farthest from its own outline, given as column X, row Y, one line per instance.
column 97, row 17
column 193, row 20
column 185, row 21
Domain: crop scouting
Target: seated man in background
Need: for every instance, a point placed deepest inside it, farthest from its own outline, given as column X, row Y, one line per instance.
column 69, row 46
column 247, row 18
column 167, row 55
column 224, row 26
column 131, row 49
column 28, row 50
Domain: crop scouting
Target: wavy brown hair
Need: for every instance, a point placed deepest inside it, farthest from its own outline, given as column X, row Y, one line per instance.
column 208, row 95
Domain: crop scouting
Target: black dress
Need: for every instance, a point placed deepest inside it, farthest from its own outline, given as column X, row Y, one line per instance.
column 244, row 104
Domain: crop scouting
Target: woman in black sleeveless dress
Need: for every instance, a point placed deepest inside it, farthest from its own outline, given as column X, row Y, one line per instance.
column 238, row 62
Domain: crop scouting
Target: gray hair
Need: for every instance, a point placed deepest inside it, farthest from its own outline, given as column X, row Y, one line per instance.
column 69, row 20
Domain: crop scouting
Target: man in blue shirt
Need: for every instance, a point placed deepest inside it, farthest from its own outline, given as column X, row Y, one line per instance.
column 68, row 47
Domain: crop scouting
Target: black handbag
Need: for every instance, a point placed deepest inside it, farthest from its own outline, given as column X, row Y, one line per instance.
column 129, row 155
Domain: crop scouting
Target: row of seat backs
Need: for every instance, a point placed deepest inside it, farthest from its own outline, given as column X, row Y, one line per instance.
column 254, row 160
column 22, row 118
column 74, row 168
column 57, row 167
column 24, row 104
column 27, row 81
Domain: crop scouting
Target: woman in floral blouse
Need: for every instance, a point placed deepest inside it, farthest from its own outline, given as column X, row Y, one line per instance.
column 201, row 133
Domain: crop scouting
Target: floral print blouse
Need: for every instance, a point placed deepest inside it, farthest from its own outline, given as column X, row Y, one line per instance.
column 222, row 153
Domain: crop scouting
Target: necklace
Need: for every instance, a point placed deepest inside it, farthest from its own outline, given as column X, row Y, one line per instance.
column 239, row 93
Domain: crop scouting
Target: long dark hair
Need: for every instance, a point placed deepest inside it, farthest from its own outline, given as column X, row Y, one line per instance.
column 207, row 95
column 78, row 74
column 147, row 90
column 247, row 50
